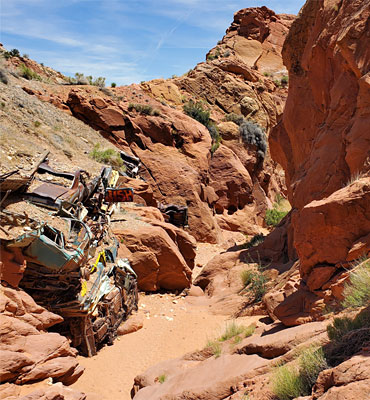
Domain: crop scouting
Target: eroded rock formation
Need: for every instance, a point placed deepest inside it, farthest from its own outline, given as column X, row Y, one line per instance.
column 323, row 143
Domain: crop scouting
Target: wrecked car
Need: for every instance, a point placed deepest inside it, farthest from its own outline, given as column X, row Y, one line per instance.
column 93, row 299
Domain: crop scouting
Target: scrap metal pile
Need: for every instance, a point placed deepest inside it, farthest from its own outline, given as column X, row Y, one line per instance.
column 57, row 225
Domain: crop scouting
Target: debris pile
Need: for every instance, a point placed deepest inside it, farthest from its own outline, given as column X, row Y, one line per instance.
column 58, row 247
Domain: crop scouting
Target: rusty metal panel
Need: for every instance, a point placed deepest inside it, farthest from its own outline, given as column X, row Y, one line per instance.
column 113, row 195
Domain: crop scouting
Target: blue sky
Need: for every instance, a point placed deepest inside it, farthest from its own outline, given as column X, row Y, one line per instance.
column 124, row 40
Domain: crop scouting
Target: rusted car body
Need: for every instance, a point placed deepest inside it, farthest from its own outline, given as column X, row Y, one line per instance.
column 92, row 299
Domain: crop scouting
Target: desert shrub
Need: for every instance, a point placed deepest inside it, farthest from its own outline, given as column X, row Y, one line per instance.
column 216, row 138
column 113, row 84
column 3, row 77
column 162, row 378
column 226, row 54
column 357, row 292
column 274, row 216
column 236, row 118
column 251, row 133
column 28, row 73
column 258, row 286
column 284, row 81
column 99, row 81
column 107, row 156
column 295, row 380
column 25, row 55
column 11, row 53
column 144, row 109
column 195, row 110
column 348, row 336
column 37, row 124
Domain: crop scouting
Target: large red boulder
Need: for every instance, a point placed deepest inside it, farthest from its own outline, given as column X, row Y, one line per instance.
column 155, row 257
column 29, row 353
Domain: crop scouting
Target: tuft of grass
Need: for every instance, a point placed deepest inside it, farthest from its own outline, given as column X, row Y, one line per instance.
column 162, row 378
column 246, row 277
column 295, row 380
column 215, row 347
column 37, row 124
column 144, row 109
column 286, row 383
column 29, row 73
column 231, row 331
column 357, row 293
column 107, row 156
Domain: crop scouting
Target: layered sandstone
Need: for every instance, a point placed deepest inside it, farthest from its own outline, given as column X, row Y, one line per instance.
column 322, row 141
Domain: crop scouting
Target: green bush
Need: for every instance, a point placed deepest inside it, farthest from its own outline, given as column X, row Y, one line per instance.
column 113, row 84
column 236, row 118
column 162, row 378
column 258, row 286
column 144, row 109
column 28, row 73
column 253, row 134
column 11, row 53
column 357, row 292
column 273, row 217
column 196, row 111
column 107, row 156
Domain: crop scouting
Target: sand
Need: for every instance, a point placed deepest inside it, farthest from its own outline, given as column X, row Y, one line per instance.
column 172, row 327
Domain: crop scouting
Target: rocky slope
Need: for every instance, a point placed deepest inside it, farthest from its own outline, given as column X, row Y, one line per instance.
column 227, row 189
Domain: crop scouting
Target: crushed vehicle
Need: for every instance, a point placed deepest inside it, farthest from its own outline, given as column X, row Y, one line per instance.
column 131, row 163
column 72, row 263
column 175, row 214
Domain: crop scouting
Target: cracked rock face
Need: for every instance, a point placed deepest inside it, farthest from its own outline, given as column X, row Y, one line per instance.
column 323, row 144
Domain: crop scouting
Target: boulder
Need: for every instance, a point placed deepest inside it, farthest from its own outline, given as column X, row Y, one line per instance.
column 212, row 379
column 326, row 230
column 271, row 345
column 348, row 380
column 133, row 324
column 155, row 258
column 28, row 353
